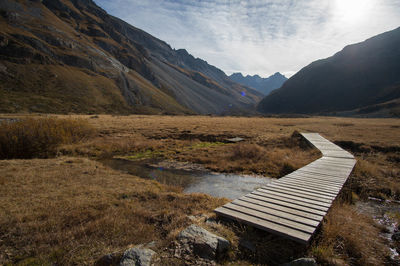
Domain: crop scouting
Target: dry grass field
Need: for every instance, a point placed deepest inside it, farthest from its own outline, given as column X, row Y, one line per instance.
column 68, row 208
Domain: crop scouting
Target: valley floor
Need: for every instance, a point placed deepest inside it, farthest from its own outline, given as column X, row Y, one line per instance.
column 72, row 209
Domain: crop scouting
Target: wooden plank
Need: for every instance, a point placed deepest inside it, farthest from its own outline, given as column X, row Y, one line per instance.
column 331, row 165
column 309, row 184
column 318, row 173
column 310, row 193
column 341, row 169
column 271, row 218
column 277, row 229
column 314, row 182
column 322, row 171
column 306, row 189
column 286, row 193
column 280, row 203
column 320, row 179
column 278, row 213
column 289, row 200
column 294, row 205
column 293, row 211
column 293, row 197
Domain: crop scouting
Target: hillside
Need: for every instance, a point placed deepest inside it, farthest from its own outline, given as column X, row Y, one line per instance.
column 263, row 85
column 361, row 75
column 65, row 56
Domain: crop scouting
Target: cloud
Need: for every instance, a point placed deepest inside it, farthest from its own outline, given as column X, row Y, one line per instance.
column 259, row 37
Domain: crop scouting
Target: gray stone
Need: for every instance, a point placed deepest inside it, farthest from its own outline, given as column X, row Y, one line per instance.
column 234, row 140
column 202, row 243
column 137, row 257
column 302, row 262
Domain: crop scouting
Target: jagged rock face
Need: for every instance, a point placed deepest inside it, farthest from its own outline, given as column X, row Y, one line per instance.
column 102, row 64
column 360, row 75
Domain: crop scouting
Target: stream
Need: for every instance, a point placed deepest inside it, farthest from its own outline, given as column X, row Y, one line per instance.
column 383, row 213
column 192, row 180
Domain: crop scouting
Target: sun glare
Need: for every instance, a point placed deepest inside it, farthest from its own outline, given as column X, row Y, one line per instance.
column 353, row 11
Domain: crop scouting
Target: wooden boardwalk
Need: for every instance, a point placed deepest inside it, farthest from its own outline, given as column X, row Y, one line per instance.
column 294, row 205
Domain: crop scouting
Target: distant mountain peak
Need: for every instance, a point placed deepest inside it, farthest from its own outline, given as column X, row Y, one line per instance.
column 263, row 85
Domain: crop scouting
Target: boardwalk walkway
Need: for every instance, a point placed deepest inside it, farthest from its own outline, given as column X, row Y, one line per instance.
column 294, row 205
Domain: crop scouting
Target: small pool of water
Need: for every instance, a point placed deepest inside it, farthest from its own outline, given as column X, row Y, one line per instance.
column 226, row 185
column 230, row 186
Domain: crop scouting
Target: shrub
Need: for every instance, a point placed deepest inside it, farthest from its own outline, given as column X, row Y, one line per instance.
column 247, row 151
column 39, row 138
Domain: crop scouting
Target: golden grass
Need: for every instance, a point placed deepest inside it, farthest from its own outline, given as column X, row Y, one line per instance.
column 349, row 238
column 73, row 210
column 30, row 137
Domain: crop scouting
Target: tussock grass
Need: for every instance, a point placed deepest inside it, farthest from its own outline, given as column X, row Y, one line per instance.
column 71, row 211
column 251, row 158
column 39, row 138
column 349, row 237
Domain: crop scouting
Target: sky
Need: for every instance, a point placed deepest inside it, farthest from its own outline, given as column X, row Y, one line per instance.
column 259, row 37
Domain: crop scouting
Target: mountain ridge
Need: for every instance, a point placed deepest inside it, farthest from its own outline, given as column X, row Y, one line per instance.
column 263, row 85
column 71, row 56
column 360, row 75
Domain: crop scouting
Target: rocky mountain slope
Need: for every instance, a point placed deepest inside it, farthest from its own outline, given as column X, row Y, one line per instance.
column 71, row 56
column 263, row 85
column 365, row 74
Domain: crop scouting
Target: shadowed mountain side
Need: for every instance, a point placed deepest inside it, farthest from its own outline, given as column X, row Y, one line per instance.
column 360, row 75
column 71, row 56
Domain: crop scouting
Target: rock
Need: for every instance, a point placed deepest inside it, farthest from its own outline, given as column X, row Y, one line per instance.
column 234, row 140
column 106, row 260
column 302, row 262
column 202, row 243
column 396, row 236
column 137, row 257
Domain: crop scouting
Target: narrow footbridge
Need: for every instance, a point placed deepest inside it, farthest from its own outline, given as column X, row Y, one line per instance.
column 294, row 205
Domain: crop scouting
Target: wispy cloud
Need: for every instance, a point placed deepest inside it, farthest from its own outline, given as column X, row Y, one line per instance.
column 259, row 37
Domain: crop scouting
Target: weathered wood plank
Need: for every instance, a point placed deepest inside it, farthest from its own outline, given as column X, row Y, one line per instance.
column 300, row 192
column 271, row 218
column 306, row 189
column 277, row 229
column 278, row 213
column 294, row 205
column 293, row 211
column 293, row 197
column 288, row 200
column 281, row 203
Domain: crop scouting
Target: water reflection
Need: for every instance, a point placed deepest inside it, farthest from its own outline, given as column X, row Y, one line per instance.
column 193, row 181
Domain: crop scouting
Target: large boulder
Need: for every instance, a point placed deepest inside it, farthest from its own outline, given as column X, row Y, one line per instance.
column 137, row 257
column 202, row 243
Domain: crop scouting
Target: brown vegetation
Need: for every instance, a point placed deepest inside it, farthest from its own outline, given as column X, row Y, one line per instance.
column 73, row 210
column 349, row 237
column 39, row 138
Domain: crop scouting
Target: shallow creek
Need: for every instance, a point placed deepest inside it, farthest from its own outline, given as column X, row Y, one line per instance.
column 192, row 179
column 383, row 212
